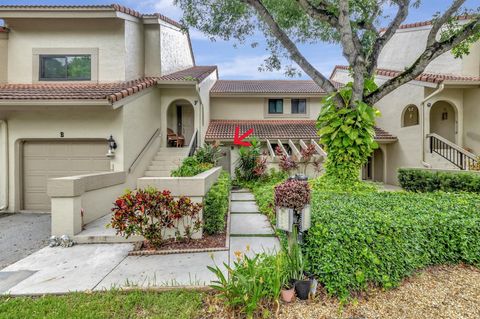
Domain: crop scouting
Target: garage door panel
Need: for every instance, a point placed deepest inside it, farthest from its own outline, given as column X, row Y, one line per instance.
column 45, row 160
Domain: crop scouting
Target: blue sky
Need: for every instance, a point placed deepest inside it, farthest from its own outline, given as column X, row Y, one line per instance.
column 242, row 62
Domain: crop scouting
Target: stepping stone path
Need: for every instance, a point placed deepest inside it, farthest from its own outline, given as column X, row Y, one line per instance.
column 249, row 229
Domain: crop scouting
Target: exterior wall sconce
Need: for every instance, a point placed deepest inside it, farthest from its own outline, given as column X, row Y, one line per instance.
column 195, row 102
column 112, row 146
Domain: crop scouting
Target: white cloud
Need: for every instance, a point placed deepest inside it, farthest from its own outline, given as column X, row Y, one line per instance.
column 165, row 7
column 245, row 67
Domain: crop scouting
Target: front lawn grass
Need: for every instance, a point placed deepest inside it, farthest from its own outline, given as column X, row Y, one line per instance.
column 178, row 304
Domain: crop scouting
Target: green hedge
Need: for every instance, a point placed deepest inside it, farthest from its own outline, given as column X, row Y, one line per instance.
column 382, row 237
column 424, row 180
column 216, row 205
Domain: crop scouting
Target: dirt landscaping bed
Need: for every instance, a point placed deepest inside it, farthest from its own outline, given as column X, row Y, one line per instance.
column 442, row 292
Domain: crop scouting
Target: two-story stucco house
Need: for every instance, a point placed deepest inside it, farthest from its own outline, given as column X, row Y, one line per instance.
column 74, row 76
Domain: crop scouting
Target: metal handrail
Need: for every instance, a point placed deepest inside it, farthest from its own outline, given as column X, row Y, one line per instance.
column 192, row 147
column 135, row 162
column 451, row 152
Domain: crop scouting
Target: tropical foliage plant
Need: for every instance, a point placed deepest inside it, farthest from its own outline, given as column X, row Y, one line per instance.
column 250, row 166
column 151, row 213
column 251, row 282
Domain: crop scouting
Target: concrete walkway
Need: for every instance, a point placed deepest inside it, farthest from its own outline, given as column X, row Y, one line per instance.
column 91, row 267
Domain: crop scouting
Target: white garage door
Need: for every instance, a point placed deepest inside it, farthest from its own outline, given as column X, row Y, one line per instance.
column 43, row 160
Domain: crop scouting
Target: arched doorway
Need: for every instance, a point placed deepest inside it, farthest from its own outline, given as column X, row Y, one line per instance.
column 443, row 120
column 181, row 121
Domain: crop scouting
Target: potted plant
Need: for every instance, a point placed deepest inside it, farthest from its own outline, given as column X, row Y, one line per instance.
column 288, row 292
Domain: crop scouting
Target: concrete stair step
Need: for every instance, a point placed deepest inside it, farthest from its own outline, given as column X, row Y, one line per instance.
column 157, row 174
column 161, row 167
column 96, row 233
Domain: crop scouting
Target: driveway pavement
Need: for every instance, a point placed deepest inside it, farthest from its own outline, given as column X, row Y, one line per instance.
column 21, row 235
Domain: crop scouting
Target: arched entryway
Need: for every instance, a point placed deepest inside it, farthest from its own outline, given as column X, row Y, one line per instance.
column 180, row 123
column 443, row 120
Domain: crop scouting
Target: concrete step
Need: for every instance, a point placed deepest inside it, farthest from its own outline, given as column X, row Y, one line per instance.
column 163, row 158
column 243, row 207
column 96, row 233
column 250, row 224
column 162, row 167
column 157, row 173
column 242, row 196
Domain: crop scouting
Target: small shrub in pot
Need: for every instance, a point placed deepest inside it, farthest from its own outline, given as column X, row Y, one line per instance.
column 292, row 194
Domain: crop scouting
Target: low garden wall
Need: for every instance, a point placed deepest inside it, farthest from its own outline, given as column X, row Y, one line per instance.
column 78, row 200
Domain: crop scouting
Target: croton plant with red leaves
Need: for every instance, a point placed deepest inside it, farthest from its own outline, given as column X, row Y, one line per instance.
column 292, row 194
column 151, row 213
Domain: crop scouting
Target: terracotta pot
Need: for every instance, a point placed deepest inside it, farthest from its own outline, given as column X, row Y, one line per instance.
column 288, row 295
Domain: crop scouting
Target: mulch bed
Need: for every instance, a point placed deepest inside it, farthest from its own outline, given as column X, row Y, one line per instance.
column 171, row 246
column 207, row 243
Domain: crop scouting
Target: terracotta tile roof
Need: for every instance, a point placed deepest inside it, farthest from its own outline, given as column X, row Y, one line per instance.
column 424, row 77
column 111, row 92
column 273, row 129
column 195, row 73
column 267, row 86
column 164, row 18
column 428, row 22
column 111, row 7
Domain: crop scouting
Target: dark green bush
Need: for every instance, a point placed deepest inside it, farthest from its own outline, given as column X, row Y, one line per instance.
column 191, row 167
column 216, row 205
column 424, row 180
column 382, row 237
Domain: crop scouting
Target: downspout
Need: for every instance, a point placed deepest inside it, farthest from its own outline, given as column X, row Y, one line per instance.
column 434, row 93
column 3, row 124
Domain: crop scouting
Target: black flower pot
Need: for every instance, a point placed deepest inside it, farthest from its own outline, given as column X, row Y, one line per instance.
column 302, row 288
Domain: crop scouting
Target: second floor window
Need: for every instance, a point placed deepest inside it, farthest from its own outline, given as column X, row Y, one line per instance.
column 275, row 106
column 65, row 68
column 299, row 106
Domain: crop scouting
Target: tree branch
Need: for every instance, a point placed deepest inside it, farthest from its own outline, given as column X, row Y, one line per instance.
column 401, row 15
column 319, row 12
column 292, row 49
column 430, row 53
column 438, row 23
column 352, row 49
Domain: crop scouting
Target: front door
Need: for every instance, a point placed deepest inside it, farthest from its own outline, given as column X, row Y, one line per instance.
column 187, row 123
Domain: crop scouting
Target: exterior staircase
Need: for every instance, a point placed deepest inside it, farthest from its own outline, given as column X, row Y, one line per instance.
column 166, row 160
column 443, row 154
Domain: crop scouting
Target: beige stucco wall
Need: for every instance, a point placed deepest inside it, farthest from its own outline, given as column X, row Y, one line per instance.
column 152, row 50
column 407, row 45
column 255, row 108
column 175, row 52
column 141, row 118
column 205, row 104
column 105, row 34
column 471, row 119
column 3, row 57
column 134, row 50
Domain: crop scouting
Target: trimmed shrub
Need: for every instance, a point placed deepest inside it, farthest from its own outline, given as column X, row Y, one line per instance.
column 382, row 237
column 191, row 167
column 216, row 205
column 424, row 180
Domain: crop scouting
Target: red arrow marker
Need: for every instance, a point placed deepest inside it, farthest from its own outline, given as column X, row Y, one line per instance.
column 238, row 140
